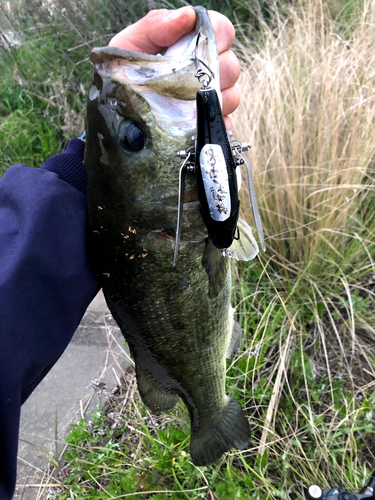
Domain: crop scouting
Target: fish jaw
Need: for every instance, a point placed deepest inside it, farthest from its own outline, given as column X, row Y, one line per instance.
column 171, row 74
column 167, row 76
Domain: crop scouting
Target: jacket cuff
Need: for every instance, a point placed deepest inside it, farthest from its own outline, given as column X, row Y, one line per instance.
column 69, row 165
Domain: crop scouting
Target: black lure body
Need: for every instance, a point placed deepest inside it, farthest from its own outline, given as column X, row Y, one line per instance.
column 215, row 169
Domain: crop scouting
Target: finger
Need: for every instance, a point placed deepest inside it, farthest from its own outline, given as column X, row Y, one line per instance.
column 231, row 100
column 228, row 122
column 224, row 31
column 230, row 69
column 157, row 30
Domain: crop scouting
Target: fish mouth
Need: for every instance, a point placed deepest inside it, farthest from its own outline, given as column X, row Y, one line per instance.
column 170, row 74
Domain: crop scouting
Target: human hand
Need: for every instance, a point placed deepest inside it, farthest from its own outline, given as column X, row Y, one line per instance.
column 162, row 28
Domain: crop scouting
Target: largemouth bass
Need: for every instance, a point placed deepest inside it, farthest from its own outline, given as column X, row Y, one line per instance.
column 176, row 319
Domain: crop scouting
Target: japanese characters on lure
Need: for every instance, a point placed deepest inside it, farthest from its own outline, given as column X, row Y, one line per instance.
column 214, row 159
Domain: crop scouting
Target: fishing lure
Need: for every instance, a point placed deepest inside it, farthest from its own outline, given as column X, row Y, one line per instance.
column 214, row 158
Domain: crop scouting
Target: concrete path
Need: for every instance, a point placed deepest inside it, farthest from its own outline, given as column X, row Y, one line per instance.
column 69, row 391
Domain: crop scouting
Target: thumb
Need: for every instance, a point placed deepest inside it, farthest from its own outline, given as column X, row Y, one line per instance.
column 157, row 30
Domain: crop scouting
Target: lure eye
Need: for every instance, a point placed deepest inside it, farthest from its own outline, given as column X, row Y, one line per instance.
column 131, row 136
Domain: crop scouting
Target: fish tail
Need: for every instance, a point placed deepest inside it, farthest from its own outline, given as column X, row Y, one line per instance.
column 230, row 430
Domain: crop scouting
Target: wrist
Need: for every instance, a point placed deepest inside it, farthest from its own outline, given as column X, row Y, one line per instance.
column 69, row 165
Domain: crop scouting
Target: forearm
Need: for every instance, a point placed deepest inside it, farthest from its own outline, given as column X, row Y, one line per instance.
column 45, row 282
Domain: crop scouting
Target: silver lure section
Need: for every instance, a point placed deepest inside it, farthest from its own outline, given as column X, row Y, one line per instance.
column 215, row 179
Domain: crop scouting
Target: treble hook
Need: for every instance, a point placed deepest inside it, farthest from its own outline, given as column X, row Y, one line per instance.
column 203, row 77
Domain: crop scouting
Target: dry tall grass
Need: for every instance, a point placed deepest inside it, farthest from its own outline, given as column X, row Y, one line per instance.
column 308, row 107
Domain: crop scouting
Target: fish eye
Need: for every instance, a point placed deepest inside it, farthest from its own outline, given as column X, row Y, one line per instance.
column 131, row 137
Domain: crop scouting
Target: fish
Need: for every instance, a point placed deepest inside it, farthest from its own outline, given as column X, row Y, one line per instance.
column 176, row 319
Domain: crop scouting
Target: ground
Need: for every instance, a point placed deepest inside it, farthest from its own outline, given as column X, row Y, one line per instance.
column 69, row 390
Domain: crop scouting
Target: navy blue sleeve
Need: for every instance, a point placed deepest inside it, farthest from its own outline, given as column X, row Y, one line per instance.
column 45, row 282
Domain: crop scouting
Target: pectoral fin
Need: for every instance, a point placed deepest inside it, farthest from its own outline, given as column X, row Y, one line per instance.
column 236, row 337
column 216, row 268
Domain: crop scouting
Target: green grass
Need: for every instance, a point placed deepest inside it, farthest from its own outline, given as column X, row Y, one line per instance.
column 45, row 78
column 305, row 373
